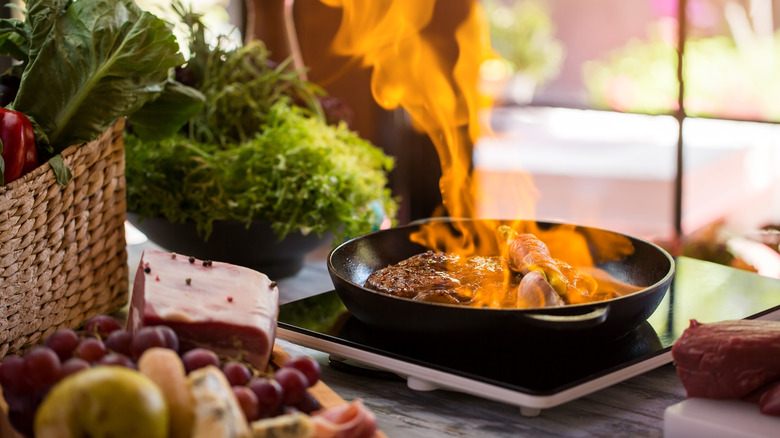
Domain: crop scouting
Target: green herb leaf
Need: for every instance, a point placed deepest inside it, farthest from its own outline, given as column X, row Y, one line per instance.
column 297, row 172
column 41, row 16
column 62, row 173
column 100, row 60
column 165, row 115
column 240, row 84
column 260, row 150
column 14, row 39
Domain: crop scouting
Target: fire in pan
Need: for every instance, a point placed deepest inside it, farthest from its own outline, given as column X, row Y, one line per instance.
column 636, row 272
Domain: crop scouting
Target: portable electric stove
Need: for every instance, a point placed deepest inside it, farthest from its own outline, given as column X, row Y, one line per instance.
column 530, row 375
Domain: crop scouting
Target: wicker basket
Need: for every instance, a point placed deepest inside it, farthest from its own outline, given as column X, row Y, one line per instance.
column 63, row 255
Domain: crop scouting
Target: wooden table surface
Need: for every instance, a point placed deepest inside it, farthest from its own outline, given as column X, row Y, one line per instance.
column 633, row 408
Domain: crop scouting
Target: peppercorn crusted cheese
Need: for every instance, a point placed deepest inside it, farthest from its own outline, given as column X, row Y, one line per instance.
column 229, row 309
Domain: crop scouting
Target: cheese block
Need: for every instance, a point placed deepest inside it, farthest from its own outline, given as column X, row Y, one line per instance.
column 296, row 425
column 229, row 309
column 217, row 412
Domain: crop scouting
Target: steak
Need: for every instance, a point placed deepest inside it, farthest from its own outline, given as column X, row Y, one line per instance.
column 419, row 273
column 444, row 278
column 729, row 359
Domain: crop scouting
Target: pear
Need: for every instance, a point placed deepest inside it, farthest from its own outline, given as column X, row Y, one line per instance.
column 165, row 368
column 104, row 401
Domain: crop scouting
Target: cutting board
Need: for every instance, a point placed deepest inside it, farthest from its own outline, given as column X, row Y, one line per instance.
column 322, row 392
column 700, row 417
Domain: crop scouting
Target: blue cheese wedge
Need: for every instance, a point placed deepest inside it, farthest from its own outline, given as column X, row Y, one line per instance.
column 296, row 425
column 217, row 412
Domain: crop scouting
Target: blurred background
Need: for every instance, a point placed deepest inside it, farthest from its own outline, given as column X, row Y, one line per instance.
column 656, row 118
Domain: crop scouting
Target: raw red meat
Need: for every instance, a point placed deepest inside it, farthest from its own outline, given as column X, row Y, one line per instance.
column 229, row 309
column 770, row 400
column 728, row 359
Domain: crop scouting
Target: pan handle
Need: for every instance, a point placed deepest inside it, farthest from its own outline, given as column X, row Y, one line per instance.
column 566, row 322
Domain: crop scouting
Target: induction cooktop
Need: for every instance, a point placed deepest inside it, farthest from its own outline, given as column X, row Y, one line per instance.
column 532, row 375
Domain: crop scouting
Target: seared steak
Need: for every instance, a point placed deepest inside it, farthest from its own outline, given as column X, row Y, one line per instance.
column 445, row 278
column 418, row 274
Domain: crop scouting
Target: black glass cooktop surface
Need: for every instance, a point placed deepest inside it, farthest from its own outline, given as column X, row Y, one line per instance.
column 704, row 291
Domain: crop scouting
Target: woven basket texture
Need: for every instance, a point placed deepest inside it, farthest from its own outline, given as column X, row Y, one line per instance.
column 63, row 254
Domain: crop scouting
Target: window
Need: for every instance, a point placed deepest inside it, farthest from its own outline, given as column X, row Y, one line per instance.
column 222, row 17
column 600, row 139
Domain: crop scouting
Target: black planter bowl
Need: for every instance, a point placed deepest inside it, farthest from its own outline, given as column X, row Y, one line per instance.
column 256, row 247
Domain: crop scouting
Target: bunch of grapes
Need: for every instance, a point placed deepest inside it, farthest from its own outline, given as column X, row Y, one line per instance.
column 264, row 395
column 27, row 379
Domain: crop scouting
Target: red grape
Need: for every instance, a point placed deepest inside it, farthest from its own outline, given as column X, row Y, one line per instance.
column 19, row 401
column 170, row 336
column 237, row 373
column 117, row 359
column 199, row 358
column 101, row 325
column 42, row 366
column 63, row 342
column 248, row 402
column 309, row 404
column 73, row 366
column 270, row 394
column 22, row 421
column 12, row 375
column 146, row 338
column 294, row 384
column 307, row 365
column 119, row 341
column 91, row 349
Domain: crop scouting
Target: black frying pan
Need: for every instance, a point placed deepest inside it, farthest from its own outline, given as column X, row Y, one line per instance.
column 649, row 266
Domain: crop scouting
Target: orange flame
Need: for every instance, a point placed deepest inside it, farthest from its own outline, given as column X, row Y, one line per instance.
column 411, row 70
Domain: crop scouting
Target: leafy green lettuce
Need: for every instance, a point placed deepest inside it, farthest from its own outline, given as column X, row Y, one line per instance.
column 296, row 172
column 88, row 63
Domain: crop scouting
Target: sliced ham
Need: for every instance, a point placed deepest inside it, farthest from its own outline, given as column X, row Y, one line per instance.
column 229, row 309
column 351, row 420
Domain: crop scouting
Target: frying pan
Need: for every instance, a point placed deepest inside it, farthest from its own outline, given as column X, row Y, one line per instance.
column 350, row 264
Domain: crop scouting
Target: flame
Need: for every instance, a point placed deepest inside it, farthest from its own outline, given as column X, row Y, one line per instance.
column 411, row 69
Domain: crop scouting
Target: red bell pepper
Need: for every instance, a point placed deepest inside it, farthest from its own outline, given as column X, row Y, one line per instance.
column 18, row 145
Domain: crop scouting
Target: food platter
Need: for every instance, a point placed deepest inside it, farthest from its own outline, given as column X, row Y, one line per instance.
column 321, row 391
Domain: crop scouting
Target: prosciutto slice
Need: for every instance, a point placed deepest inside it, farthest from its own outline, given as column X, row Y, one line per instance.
column 351, row 420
